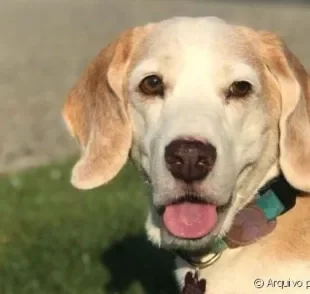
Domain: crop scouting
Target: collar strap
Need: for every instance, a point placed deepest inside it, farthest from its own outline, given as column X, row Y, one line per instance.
column 256, row 220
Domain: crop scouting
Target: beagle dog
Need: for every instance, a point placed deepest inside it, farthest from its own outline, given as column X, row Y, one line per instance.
column 217, row 117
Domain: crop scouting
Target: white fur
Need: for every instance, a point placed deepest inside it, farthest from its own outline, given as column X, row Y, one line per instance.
column 199, row 59
column 254, row 136
column 198, row 66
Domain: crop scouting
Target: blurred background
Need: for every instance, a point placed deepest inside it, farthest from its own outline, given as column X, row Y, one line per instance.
column 54, row 239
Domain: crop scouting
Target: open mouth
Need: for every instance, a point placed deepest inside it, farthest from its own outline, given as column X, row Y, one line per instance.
column 189, row 217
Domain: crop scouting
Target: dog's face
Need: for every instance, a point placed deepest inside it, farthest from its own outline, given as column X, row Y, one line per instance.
column 207, row 110
column 200, row 119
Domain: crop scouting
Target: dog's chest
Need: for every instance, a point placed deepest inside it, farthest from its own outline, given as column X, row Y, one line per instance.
column 236, row 273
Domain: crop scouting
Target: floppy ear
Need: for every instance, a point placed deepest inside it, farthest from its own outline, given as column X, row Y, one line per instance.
column 96, row 113
column 294, row 84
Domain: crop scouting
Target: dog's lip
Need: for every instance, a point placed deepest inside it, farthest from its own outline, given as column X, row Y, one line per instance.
column 189, row 198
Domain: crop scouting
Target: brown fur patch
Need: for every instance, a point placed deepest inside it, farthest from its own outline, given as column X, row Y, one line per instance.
column 96, row 112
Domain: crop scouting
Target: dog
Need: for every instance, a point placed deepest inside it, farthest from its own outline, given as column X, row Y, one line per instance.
column 217, row 118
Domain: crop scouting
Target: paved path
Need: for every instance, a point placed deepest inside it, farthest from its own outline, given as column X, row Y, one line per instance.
column 45, row 44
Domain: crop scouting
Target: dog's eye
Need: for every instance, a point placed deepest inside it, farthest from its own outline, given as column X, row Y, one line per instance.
column 239, row 89
column 152, row 86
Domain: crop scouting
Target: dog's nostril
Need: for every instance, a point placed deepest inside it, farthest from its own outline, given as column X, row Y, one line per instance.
column 190, row 160
column 202, row 161
column 173, row 159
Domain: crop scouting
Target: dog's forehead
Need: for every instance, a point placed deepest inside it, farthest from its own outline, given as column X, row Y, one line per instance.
column 194, row 45
column 201, row 35
column 191, row 26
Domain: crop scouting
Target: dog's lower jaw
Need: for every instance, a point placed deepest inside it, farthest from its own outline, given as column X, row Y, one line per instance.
column 159, row 237
column 153, row 231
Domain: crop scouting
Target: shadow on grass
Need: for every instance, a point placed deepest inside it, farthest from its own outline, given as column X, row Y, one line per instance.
column 135, row 259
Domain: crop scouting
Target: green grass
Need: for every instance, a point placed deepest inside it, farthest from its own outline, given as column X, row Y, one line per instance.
column 56, row 239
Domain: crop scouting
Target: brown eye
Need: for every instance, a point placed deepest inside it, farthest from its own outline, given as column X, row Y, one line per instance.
column 152, row 86
column 239, row 89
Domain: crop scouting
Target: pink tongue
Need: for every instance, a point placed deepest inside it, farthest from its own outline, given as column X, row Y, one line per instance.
column 190, row 220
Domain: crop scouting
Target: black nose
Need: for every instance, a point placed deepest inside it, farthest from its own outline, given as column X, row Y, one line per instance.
column 190, row 160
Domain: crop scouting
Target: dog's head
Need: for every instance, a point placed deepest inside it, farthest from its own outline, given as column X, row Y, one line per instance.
column 209, row 111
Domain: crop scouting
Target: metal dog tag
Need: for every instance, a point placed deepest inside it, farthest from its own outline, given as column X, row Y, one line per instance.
column 194, row 285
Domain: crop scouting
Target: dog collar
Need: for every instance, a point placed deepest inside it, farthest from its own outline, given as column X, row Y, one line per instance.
column 253, row 222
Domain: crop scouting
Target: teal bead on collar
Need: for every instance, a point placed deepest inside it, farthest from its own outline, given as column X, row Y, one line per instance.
column 270, row 204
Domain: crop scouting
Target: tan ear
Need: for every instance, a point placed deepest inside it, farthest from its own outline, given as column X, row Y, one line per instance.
column 96, row 112
column 294, row 84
